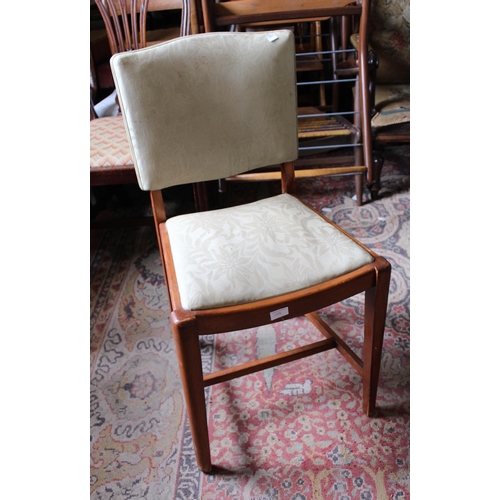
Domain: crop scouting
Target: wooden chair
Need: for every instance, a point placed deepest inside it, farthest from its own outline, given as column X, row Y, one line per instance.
column 390, row 39
column 111, row 162
column 321, row 128
column 390, row 113
column 240, row 267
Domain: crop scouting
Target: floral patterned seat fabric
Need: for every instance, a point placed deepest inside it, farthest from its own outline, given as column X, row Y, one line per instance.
column 256, row 251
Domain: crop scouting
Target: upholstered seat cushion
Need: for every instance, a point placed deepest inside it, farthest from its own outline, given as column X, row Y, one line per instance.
column 256, row 251
column 109, row 146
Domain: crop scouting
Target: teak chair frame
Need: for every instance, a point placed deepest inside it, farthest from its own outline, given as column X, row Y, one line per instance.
column 372, row 279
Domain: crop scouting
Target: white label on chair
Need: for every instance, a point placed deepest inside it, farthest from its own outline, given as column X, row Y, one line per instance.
column 279, row 313
column 272, row 36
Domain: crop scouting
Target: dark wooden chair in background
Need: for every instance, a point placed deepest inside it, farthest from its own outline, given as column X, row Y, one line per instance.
column 111, row 162
column 390, row 124
column 390, row 40
column 340, row 127
column 260, row 283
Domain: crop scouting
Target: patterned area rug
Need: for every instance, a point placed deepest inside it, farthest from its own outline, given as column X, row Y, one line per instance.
column 292, row 432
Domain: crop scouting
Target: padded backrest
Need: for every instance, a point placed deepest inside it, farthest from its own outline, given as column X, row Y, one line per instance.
column 208, row 106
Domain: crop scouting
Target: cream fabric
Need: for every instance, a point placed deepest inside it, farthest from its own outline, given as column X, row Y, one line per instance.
column 256, row 251
column 208, row 106
column 108, row 143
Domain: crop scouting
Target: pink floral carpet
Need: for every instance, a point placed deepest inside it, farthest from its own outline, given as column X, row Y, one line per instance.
column 292, row 432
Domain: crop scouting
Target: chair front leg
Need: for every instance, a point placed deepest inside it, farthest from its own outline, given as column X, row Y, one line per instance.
column 376, row 299
column 189, row 358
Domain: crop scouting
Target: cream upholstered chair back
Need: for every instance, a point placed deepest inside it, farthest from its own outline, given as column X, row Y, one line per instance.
column 208, row 106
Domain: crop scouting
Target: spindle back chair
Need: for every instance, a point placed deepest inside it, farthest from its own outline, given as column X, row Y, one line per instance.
column 111, row 161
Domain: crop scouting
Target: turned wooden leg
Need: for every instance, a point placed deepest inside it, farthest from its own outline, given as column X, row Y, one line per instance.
column 376, row 299
column 189, row 358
